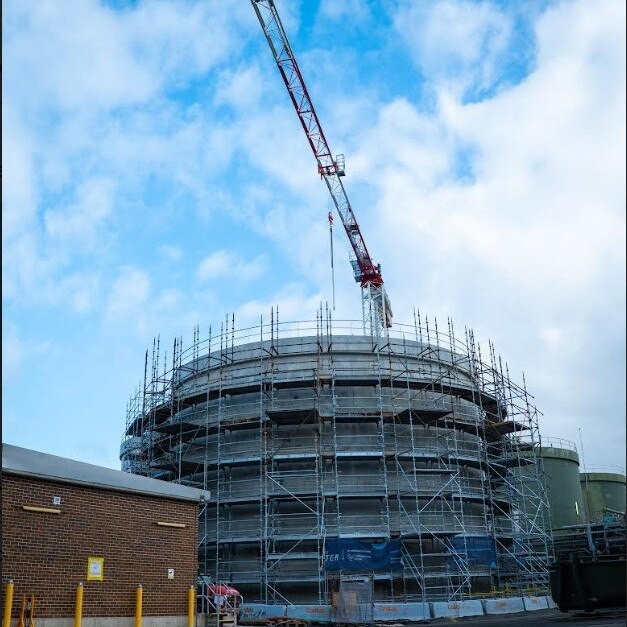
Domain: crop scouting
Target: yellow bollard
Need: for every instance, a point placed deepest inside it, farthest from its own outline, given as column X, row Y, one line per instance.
column 138, row 606
column 8, row 604
column 191, row 606
column 78, row 612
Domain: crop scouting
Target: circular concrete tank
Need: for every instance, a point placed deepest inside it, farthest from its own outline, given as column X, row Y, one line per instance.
column 561, row 475
column 324, row 446
column 603, row 493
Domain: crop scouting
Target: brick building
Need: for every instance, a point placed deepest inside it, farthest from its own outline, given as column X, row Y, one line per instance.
column 61, row 518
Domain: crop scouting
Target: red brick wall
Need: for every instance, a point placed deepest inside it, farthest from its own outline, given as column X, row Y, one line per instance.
column 46, row 554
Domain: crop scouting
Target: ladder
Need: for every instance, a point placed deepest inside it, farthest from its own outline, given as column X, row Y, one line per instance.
column 222, row 613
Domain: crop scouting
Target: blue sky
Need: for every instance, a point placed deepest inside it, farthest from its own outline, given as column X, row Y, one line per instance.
column 155, row 177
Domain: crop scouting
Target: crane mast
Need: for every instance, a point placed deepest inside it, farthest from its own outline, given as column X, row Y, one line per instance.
column 375, row 302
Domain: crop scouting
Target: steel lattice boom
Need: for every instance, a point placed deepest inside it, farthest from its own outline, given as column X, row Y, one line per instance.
column 367, row 274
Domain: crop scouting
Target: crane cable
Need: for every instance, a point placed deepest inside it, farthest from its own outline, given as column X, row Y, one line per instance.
column 330, row 216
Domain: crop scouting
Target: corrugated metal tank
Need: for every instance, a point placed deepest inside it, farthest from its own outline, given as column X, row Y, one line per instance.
column 561, row 475
column 603, row 492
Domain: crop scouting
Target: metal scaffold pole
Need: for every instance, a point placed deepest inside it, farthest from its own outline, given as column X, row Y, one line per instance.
column 312, row 435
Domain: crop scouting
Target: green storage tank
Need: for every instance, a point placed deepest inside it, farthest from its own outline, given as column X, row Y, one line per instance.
column 604, row 493
column 560, row 462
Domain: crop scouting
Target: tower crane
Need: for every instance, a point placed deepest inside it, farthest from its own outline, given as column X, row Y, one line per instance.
column 376, row 306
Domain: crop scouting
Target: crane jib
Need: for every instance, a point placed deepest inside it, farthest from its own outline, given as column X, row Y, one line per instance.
column 369, row 274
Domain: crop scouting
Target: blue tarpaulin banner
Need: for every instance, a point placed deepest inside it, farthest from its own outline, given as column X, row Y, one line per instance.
column 475, row 551
column 349, row 555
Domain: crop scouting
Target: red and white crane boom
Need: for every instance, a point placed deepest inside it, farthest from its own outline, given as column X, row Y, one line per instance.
column 375, row 301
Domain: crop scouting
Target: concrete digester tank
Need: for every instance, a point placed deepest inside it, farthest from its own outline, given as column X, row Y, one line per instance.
column 604, row 493
column 560, row 462
column 399, row 453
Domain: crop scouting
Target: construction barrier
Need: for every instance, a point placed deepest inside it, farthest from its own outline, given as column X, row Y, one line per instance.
column 394, row 612
column 504, row 606
column 312, row 613
column 259, row 611
column 533, row 604
column 457, row 609
column 400, row 611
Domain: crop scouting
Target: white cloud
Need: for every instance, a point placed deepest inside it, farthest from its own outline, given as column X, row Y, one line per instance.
column 82, row 300
column 357, row 11
column 240, row 88
column 403, row 143
column 89, row 105
column 223, row 264
column 79, row 290
column 80, row 221
column 38, row 257
column 72, row 55
column 290, row 11
column 547, row 201
column 12, row 354
column 527, row 245
column 534, row 241
column 86, row 54
column 139, row 307
column 273, row 140
column 458, row 42
column 292, row 302
column 16, row 352
column 128, row 298
column 172, row 253
column 19, row 192
column 20, row 196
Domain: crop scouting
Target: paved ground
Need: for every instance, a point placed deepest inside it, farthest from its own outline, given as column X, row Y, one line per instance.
column 544, row 618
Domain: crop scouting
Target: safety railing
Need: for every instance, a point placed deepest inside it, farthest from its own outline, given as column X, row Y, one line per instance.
column 231, row 338
column 551, row 442
column 608, row 468
column 445, row 522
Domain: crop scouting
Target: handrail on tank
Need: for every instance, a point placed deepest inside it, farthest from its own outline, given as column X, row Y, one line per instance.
column 228, row 337
column 611, row 469
column 158, row 391
column 559, row 443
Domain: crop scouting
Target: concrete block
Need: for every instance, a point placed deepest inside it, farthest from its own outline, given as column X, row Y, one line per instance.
column 550, row 602
column 112, row 621
column 504, row 606
column 400, row 611
column 457, row 609
column 535, row 603
column 312, row 613
column 259, row 611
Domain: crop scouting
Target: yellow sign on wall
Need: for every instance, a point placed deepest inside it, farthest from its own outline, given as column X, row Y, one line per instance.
column 95, row 569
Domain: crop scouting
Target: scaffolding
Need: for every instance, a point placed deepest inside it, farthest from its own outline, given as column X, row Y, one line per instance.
column 308, row 432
